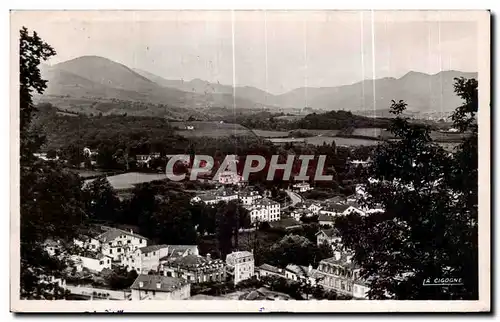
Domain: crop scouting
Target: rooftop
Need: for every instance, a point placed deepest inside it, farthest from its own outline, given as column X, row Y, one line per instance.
column 270, row 268
column 114, row 233
column 152, row 248
column 191, row 261
column 150, row 282
column 329, row 232
column 323, row 217
column 240, row 254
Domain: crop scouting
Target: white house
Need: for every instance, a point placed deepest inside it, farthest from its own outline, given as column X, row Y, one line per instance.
column 328, row 236
column 300, row 273
column 360, row 289
column 333, row 209
column 302, row 187
column 158, row 287
column 94, row 263
column 263, row 210
column 240, row 265
column 248, row 197
column 230, row 178
column 150, row 258
column 116, row 243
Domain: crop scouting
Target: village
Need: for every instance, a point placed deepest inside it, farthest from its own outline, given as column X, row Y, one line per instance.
column 170, row 272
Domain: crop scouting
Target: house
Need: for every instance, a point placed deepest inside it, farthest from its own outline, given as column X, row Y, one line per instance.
column 195, row 269
column 145, row 259
column 297, row 214
column 300, row 273
column 249, row 196
column 340, row 273
column 157, row 287
column 145, row 159
column 264, row 210
column 151, row 257
column 229, row 178
column 269, row 270
column 353, row 209
column 240, row 266
column 94, row 262
column 315, row 207
column 116, row 243
column 301, row 187
column 333, row 209
column 189, row 127
column 328, row 236
column 325, row 220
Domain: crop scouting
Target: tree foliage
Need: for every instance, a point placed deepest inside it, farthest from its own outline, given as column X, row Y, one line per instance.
column 429, row 225
column 51, row 201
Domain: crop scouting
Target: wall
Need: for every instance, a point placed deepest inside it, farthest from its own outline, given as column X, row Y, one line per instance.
column 180, row 294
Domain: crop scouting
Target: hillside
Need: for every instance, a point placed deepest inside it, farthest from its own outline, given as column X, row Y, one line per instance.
column 422, row 92
column 101, row 80
column 81, row 84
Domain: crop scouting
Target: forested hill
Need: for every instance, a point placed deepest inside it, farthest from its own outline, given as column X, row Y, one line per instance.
column 339, row 120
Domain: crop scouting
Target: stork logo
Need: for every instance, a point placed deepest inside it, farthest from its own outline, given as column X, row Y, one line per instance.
column 183, row 166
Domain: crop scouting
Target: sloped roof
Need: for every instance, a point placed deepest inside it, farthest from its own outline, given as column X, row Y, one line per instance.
column 167, row 283
column 270, row 268
column 114, row 233
column 329, row 232
column 152, row 248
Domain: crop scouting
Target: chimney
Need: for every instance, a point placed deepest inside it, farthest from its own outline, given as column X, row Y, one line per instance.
column 349, row 258
column 131, row 231
column 209, row 257
column 158, row 285
column 309, row 269
column 337, row 255
column 141, row 284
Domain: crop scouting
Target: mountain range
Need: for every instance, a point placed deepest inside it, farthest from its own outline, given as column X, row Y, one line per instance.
column 100, row 79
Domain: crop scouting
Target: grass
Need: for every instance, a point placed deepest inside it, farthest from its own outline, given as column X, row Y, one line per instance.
column 130, row 179
column 211, row 129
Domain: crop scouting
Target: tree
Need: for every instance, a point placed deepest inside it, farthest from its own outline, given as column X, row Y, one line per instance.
column 428, row 228
column 51, row 202
column 101, row 200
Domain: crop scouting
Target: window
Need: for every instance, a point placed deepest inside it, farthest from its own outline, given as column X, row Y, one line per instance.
column 101, row 262
column 111, row 251
column 119, row 250
column 154, row 253
column 154, row 293
column 128, row 241
column 146, row 292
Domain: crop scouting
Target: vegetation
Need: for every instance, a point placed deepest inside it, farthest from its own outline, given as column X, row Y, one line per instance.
column 429, row 227
column 51, row 197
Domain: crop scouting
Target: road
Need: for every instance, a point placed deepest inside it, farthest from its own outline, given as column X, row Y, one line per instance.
column 295, row 197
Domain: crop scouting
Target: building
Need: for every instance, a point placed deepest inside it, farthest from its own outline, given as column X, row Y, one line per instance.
column 93, row 262
column 145, row 259
column 145, row 159
column 360, row 289
column 157, row 287
column 195, row 269
column 301, row 187
column 327, row 236
column 214, row 198
column 249, row 196
column 151, row 257
column 240, row 266
column 263, row 210
column 333, row 209
column 325, row 220
column 300, row 273
column 116, row 243
column 229, row 178
column 270, row 270
column 297, row 214
column 340, row 274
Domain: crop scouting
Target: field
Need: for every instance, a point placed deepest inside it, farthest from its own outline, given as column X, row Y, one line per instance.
column 129, row 180
column 271, row 134
column 319, row 140
column 372, row 132
column 210, row 129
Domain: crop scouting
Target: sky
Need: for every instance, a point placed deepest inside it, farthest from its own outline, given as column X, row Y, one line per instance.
column 276, row 51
